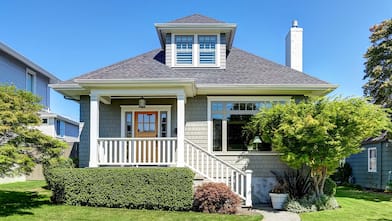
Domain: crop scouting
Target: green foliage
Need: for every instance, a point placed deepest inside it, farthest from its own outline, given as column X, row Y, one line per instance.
column 311, row 203
column 215, row 198
column 297, row 182
column 60, row 162
column 342, row 174
column 378, row 65
column 329, row 187
column 319, row 133
column 21, row 146
column 138, row 188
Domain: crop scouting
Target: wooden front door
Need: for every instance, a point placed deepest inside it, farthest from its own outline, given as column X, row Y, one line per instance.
column 146, row 125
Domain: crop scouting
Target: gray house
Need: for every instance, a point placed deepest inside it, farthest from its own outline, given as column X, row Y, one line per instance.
column 15, row 69
column 185, row 103
column 372, row 167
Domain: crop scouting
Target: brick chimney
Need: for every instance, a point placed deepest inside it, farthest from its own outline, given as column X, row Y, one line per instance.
column 294, row 47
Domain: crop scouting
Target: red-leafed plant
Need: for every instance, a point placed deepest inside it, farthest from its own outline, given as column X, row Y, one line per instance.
column 215, row 198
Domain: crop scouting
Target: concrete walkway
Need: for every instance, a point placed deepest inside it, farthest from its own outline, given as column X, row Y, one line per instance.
column 271, row 214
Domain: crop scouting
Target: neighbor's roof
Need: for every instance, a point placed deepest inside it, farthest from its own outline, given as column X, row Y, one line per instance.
column 196, row 18
column 241, row 68
column 382, row 138
column 27, row 62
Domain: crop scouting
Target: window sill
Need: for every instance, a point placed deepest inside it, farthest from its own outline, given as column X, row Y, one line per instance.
column 246, row 153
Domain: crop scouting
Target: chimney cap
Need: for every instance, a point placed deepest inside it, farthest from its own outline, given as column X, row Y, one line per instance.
column 295, row 23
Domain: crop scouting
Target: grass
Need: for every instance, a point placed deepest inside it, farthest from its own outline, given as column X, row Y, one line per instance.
column 30, row 201
column 356, row 205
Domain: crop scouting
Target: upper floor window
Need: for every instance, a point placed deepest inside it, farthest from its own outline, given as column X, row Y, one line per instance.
column 207, row 45
column 30, row 80
column 184, row 45
column 60, row 128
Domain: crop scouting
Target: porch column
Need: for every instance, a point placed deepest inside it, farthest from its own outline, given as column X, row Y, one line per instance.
column 94, row 130
column 180, row 130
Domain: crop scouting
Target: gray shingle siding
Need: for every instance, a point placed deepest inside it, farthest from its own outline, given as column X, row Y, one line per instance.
column 84, row 145
column 196, row 126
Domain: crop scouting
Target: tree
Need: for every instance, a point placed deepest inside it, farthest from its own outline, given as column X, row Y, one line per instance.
column 378, row 65
column 21, row 145
column 319, row 133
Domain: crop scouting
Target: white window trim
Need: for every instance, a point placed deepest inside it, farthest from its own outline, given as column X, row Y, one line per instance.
column 136, row 108
column 373, row 170
column 211, row 99
column 33, row 74
column 195, row 51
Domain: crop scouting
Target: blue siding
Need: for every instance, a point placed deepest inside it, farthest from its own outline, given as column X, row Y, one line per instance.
column 14, row 72
column 359, row 164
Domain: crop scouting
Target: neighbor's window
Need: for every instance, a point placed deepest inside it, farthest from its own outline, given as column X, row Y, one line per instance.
column 228, row 120
column 372, row 159
column 60, row 128
column 207, row 45
column 184, row 48
column 30, row 81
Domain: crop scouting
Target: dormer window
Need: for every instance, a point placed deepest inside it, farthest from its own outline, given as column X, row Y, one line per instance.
column 184, row 48
column 207, row 46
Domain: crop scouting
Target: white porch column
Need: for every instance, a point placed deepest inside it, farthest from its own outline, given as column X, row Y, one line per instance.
column 180, row 130
column 94, row 130
column 248, row 201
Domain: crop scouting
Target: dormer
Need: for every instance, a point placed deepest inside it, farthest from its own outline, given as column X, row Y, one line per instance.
column 196, row 41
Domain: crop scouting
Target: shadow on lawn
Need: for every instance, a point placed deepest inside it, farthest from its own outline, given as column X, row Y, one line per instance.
column 381, row 219
column 12, row 202
column 364, row 195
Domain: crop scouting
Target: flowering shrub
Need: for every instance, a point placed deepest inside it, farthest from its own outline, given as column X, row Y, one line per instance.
column 215, row 198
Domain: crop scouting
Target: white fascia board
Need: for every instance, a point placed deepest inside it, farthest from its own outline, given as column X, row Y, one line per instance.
column 27, row 62
column 311, row 90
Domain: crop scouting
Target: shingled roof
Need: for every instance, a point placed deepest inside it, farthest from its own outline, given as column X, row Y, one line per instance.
column 196, row 18
column 242, row 68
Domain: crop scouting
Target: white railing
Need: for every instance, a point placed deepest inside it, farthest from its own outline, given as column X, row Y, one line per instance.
column 217, row 170
column 136, row 151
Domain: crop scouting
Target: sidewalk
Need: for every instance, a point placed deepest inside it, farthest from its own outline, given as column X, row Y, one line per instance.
column 271, row 214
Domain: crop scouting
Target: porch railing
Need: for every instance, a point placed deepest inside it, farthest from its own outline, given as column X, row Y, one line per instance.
column 217, row 170
column 136, row 151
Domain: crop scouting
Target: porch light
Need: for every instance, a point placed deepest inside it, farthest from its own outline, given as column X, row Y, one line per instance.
column 142, row 102
column 257, row 141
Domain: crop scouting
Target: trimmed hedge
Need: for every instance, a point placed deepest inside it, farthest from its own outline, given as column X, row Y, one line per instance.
column 141, row 188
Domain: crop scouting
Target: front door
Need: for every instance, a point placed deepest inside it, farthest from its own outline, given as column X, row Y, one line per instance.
column 146, row 126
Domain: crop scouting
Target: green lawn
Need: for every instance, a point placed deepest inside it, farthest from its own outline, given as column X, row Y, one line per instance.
column 29, row 201
column 356, row 206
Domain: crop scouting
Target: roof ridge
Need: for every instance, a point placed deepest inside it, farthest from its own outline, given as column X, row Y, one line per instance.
column 196, row 18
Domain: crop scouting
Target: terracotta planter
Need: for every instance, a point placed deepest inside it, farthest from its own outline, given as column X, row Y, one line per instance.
column 278, row 200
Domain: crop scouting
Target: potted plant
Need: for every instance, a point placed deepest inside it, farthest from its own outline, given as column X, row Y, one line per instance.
column 279, row 195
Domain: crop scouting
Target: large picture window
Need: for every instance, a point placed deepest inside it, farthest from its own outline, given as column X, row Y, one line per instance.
column 228, row 120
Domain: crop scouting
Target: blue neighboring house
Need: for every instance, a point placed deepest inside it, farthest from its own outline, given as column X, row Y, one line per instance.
column 15, row 69
column 372, row 167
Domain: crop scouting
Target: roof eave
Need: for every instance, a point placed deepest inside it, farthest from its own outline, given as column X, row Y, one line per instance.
column 223, row 27
column 267, row 89
column 27, row 62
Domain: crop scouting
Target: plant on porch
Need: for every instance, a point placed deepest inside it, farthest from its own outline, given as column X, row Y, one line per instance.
column 318, row 133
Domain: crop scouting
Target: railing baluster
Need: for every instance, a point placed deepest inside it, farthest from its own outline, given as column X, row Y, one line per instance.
column 237, row 180
column 154, row 151
column 159, row 151
column 242, row 185
column 227, row 176
column 164, row 152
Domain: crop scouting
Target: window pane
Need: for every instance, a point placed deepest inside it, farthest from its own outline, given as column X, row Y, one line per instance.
column 184, row 48
column 128, row 129
column 163, row 124
column 217, row 134
column 217, row 107
column 29, row 82
column 235, row 139
column 207, row 45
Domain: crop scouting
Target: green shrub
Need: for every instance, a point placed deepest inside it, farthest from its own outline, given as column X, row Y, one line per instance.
column 311, row 203
column 141, row 188
column 60, row 162
column 215, row 198
column 329, row 187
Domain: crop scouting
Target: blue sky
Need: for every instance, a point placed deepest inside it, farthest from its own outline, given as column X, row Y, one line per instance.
column 72, row 37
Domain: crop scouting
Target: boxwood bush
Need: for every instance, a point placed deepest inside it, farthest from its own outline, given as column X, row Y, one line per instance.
column 141, row 188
